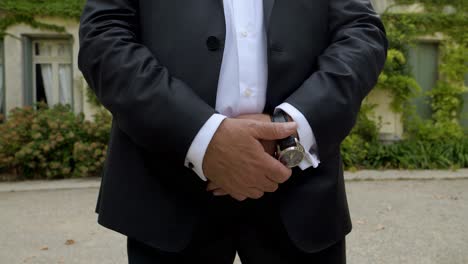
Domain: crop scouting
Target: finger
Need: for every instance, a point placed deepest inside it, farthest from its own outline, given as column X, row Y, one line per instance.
column 219, row 192
column 276, row 171
column 255, row 193
column 273, row 131
column 269, row 146
column 272, row 188
column 238, row 197
column 251, row 117
column 265, row 184
column 211, row 186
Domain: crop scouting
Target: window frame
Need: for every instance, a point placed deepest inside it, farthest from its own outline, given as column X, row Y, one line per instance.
column 464, row 110
column 2, row 85
column 30, row 61
column 420, row 102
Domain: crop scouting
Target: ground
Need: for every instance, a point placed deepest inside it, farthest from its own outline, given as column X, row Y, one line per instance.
column 395, row 221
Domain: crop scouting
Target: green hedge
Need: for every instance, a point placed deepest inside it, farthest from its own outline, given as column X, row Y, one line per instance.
column 53, row 143
column 60, row 8
column 406, row 154
column 426, row 145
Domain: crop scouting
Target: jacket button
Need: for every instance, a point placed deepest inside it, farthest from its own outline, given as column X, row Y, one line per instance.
column 213, row 43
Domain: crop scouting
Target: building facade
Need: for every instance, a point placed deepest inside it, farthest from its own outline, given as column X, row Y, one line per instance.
column 41, row 65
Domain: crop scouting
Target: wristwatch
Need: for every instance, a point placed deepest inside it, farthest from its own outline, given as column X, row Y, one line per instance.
column 289, row 151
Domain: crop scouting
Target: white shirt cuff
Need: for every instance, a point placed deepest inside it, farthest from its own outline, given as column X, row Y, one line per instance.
column 197, row 150
column 306, row 136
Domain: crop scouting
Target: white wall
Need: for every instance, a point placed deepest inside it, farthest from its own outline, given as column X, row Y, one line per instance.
column 381, row 5
column 391, row 123
column 13, row 46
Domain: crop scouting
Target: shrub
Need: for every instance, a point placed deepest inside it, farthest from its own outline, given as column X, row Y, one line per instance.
column 406, row 154
column 429, row 145
column 53, row 143
column 56, row 143
column 450, row 154
column 354, row 151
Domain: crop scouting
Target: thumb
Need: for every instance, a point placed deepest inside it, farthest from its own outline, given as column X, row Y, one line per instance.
column 273, row 131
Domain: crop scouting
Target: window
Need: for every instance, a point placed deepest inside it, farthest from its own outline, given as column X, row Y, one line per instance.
column 423, row 60
column 51, row 72
column 2, row 81
column 464, row 113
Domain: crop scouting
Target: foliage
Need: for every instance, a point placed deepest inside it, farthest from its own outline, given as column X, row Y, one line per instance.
column 403, row 30
column 10, row 20
column 395, row 79
column 59, row 8
column 92, row 98
column 366, row 126
column 429, row 144
column 53, row 143
column 26, row 11
column 403, row 27
column 354, row 151
column 408, row 154
column 355, row 147
column 437, row 5
column 447, row 96
column 446, row 99
column 89, row 154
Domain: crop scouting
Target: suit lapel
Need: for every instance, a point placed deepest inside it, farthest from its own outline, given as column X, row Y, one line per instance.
column 267, row 8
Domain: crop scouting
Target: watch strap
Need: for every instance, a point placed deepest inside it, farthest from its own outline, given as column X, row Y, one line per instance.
column 281, row 117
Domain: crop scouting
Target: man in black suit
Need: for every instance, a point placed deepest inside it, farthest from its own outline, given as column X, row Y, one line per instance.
column 227, row 121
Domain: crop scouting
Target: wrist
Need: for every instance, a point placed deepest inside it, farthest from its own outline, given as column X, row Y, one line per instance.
column 215, row 139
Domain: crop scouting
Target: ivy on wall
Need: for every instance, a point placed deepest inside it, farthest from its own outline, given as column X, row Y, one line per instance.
column 403, row 30
column 439, row 142
column 434, row 6
column 25, row 11
column 59, row 8
column 10, row 20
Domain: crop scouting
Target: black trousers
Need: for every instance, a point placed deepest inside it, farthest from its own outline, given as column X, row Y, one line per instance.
column 252, row 228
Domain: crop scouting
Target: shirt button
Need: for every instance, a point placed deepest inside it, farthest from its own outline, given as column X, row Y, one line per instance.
column 247, row 92
column 244, row 34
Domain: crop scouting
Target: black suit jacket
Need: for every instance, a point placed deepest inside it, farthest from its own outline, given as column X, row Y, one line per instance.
column 155, row 65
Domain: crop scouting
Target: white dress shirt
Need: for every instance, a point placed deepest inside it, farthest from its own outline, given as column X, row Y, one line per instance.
column 243, row 82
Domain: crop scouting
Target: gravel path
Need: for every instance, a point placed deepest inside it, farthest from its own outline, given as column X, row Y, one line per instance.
column 414, row 222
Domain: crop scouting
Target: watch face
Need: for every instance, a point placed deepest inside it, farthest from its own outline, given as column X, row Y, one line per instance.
column 291, row 157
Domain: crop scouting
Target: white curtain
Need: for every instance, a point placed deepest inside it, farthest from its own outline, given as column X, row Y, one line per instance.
column 2, row 89
column 65, row 84
column 46, row 70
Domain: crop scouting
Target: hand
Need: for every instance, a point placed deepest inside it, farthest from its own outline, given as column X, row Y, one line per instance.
column 268, row 145
column 217, row 191
column 236, row 161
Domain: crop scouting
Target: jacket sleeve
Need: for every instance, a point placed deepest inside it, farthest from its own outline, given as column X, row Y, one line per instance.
column 348, row 69
column 157, row 111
